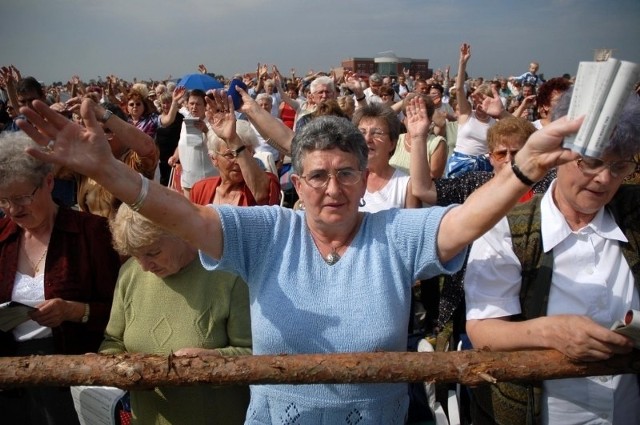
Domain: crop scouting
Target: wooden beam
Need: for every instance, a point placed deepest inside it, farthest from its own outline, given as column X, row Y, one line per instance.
column 137, row 371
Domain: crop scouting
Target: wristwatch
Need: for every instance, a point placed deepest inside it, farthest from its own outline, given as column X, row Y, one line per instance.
column 236, row 152
column 85, row 316
column 107, row 114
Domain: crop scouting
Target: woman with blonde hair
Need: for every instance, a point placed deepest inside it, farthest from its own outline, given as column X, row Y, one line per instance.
column 166, row 302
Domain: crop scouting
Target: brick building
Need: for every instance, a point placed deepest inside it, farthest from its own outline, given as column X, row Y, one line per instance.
column 387, row 63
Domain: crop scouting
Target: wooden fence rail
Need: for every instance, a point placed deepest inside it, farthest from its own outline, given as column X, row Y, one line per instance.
column 137, row 371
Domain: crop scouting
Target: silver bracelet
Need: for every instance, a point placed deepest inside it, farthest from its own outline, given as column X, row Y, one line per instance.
column 142, row 196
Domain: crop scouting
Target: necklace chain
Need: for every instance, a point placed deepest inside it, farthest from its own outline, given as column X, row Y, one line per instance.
column 36, row 266
column 333, row 256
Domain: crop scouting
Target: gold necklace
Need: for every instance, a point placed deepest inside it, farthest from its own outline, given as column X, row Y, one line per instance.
column 35, row 267
column 333, row 256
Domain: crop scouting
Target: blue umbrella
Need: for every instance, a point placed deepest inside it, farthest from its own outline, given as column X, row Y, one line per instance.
column 203, row 82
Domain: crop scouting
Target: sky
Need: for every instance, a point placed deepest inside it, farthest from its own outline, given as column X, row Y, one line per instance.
column 53, row 40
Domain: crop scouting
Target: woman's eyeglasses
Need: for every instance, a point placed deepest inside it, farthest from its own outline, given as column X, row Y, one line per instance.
column 132, row 104
column 501, row 155
column 22, row 201
column 318, row 179
column 593, row 166
column 375, row 133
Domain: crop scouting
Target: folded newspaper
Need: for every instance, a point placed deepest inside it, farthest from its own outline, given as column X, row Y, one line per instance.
column 629, row 326
column 600, row 92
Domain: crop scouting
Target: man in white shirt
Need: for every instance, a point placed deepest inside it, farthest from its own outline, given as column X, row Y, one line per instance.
column 592, row 284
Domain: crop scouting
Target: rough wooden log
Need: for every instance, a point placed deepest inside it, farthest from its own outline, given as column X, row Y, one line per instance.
column 137, row 371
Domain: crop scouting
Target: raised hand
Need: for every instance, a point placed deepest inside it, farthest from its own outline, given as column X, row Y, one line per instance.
column 202, row 69
column 221, row 115
column 493, row 106
column 177, row 94
column 465, row 52
column 16, row 73
column 275, row 71
column 7, row 74
column 63, row 142
column 417, row 120
column 264, row 69
column 544, row 150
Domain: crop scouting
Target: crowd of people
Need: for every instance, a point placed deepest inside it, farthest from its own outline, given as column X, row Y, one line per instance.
column 136, row 218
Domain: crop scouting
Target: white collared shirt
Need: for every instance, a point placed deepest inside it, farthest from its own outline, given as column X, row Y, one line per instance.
column 590, row 277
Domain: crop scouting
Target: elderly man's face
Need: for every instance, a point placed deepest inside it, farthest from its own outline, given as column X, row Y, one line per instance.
column 582, row 189
column 375, row 86
column 265, row 103
column 322, row 93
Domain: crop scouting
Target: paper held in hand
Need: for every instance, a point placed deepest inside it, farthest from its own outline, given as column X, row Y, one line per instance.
column 12, row 314
column 629, row 326
column 600, row 92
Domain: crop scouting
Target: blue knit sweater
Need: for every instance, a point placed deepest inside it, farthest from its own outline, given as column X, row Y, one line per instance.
column 300, row 304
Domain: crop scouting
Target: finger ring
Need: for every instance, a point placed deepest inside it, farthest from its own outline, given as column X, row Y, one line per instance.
column 51, row 144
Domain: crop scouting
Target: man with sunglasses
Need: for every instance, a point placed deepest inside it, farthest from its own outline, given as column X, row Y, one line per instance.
column 558, row 272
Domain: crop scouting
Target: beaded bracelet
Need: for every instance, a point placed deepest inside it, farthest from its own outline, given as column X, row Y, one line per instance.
column 520, row 175
column 142, row 196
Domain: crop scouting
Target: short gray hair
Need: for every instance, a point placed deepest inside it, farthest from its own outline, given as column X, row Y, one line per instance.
column 245, row 132
column 375, row 77
column 323, row 80
column 16, row 165
column 328, row 132
column 266, row 96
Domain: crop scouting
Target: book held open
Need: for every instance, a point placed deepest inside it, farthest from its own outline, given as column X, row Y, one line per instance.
column 600, row 93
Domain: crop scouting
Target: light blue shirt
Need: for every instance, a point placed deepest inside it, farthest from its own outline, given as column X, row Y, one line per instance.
column 300, row 304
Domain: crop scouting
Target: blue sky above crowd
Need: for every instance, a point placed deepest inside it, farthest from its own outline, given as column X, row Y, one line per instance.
column 53, row 40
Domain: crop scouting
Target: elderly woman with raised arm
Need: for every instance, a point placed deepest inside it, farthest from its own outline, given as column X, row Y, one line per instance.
column 335, row 266
column 241, row 181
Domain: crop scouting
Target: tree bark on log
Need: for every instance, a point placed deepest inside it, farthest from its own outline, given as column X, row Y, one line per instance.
column 140, row 371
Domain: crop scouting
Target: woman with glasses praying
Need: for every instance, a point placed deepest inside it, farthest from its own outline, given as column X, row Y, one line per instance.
column 581, row 239
column 387, row 187
column 57, row 260
column 241, row 181
column 315, row 276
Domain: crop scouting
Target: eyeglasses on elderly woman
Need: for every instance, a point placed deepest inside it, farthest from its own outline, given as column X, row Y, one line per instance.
column 592, row 166
column 22, row 201
column 501, row 155
column 318, row 179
